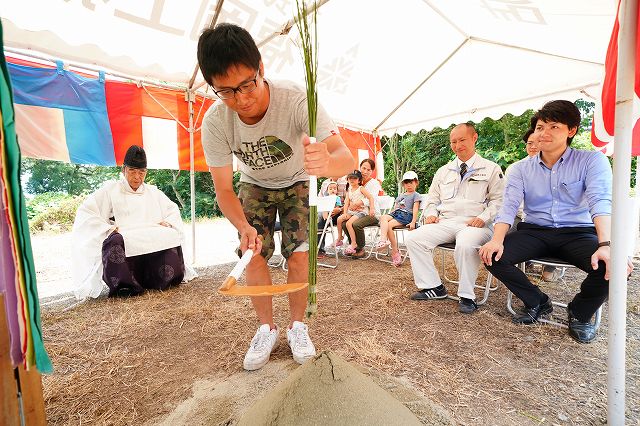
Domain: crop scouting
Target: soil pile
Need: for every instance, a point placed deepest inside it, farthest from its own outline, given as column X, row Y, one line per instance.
column 329, row 391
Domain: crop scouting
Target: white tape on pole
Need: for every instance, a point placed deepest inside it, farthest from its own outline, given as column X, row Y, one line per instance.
column 313, row 184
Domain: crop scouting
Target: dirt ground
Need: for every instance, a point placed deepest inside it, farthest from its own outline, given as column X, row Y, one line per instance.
column 176, row 357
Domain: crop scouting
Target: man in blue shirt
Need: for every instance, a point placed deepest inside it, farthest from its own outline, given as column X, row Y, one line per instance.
column 567, row 203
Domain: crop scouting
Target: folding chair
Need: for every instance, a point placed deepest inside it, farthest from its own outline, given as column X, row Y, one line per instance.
column 400, row 232
column 385, row 204
column 487, row 287
column 277, row 241
column 326, row 205
column 550, row 261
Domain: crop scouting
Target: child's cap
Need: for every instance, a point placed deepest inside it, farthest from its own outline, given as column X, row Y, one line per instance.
column 410, row 175
column 355, row 174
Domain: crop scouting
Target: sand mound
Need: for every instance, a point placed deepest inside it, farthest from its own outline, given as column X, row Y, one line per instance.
column 328, row 391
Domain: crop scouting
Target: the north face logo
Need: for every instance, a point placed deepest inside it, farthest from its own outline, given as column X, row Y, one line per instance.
column 266, row 152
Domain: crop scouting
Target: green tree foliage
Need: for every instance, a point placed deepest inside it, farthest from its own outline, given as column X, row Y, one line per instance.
column 53, row 181
column 498, row 140
column 55, row 176
column 176, row 184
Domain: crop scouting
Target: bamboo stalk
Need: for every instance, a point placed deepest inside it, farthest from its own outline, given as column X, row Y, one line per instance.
column 308, row 31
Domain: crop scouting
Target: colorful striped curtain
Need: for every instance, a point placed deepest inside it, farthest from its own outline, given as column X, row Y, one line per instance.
column 18, row 278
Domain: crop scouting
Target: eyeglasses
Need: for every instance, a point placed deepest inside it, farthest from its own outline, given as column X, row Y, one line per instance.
column 244, row 88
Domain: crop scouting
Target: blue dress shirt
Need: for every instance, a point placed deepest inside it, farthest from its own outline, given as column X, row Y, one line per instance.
column 573, row 192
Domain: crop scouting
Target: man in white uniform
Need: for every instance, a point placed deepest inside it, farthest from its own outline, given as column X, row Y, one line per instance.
column 463, row 199
column 129, row 235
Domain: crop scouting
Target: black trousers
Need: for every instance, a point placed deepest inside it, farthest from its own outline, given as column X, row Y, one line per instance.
column 574, row 245
column 133, row 275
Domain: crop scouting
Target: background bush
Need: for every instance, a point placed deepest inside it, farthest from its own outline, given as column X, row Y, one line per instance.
column 53, row 212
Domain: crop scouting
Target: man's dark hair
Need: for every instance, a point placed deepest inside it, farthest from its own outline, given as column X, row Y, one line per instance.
column 223, row 46
column 370, row 161
column 527, row 135
column 564, row 112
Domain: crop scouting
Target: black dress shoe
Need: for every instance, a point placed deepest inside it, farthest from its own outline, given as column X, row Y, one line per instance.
column 467, row 306
column 582, row 332
column 531, row 315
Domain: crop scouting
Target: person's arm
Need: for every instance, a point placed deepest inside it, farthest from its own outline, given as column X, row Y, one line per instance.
column 347, row 202
column 494, row 197
column 232, row 209
column 416, row 209
column 513, row 195
column 495, row 245
column 372, row 210
column 433, row 199
column 331, row 157
column 603, row 229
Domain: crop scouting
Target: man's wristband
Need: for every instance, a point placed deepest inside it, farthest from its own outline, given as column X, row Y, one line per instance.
column 604, row 244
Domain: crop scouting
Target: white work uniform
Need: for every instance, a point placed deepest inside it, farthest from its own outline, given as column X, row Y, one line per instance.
column 455, row 200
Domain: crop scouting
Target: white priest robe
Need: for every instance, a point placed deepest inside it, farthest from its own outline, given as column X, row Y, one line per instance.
column 137, row 217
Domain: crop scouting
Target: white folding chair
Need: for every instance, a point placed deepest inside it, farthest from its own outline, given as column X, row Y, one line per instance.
column 326, row 205
column 385, row 256
column 385, row 204
column 487, row 287
column 550, row 261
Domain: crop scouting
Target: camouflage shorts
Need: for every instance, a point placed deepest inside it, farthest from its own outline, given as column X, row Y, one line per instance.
column 292, row 205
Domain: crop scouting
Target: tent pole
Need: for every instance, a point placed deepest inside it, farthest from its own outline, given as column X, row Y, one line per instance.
column 192, row 176
column 636, row 209
column 211, row 24
column 619, row 232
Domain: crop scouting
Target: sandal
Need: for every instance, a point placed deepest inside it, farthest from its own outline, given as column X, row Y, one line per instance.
column 349, row 250
column 335, row 244
column 396, row 259
column 382, row 244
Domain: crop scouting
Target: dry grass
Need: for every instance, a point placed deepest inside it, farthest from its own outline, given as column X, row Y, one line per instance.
column 128, row 361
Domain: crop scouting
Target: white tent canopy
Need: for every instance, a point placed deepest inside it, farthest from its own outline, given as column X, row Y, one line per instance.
column 386, row 66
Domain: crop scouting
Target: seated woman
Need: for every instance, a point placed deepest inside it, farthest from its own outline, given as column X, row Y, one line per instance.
column 405, row 213
column 129, row 235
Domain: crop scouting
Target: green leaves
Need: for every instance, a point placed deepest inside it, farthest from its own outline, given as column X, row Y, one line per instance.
column 308, row 31
column 498, row 140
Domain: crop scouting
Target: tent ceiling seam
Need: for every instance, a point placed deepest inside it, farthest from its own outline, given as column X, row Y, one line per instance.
column 527, row 49
column 445, row 18
column 413, row 92
column 286, row 27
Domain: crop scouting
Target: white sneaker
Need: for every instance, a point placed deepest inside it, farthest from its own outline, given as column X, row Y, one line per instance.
column 300, row 342
column 260, row 348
